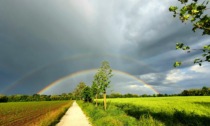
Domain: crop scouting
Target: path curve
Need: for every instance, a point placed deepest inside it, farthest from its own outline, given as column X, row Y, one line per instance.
column 74, row 117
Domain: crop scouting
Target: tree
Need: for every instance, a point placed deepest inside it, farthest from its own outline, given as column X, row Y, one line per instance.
column 86, row 94
column 102, row 79
column 78, row 90
column 95, row 88
column 205, row 91
column 195, row 11
column 3, row 98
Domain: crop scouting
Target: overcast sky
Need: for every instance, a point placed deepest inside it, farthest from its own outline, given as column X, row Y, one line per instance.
column 44, row 41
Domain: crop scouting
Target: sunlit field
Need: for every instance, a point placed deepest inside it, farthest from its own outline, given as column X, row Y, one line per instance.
column 32, row 113
column 197, row 105
column 191, row 110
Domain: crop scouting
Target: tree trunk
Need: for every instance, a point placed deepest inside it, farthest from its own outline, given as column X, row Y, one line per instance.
column 104, row 101
column 96, row 100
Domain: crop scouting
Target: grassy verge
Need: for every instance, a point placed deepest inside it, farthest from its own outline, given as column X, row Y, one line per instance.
column 165, row 111
column 114, row 116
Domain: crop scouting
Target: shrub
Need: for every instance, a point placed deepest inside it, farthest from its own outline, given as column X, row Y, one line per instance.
column 3, row 98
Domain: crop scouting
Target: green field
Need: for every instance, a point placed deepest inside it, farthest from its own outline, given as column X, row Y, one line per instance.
column 32, row 113
column 166, row 110
column 197, row 105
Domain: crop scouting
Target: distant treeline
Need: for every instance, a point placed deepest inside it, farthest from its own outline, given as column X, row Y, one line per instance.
column 129, row 95
column 205, row 91
column 35, row 97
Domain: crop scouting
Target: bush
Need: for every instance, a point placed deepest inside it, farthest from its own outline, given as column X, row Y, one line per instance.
column 3, row 98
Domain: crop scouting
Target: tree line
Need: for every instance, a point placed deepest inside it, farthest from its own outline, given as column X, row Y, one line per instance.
column 86, row 93
column 205, row 91
column 34, row 97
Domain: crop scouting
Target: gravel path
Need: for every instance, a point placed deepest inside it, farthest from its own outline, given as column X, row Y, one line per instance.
column 74, row 117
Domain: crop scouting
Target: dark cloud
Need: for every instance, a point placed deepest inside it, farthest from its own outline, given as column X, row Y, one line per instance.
column 43, row 41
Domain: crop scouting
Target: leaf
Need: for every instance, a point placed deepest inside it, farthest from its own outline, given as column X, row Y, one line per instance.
column 179, row 45
column 177, row 64
column 186, row 48
column 196, row 61
column 173, row 8
column 208, row 58
column 183, row 1
column 194, row 11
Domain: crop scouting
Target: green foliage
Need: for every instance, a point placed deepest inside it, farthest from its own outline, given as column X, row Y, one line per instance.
column 197, row 13
column 112, row 117
column 196, row 92
column 38, row 97
column 87, row 94
column 3, row 98
column 102, row 80
column 176, row 64
column 78, row 90
column 95, row 87
column 102, row 77
column 148, row 120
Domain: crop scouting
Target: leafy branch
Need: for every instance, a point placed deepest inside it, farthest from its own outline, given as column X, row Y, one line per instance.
column 205, row 55
column 195, row 13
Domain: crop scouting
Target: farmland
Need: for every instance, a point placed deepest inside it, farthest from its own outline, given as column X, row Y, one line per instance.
column 198, row 105
column 175, row 111
column 32, row 113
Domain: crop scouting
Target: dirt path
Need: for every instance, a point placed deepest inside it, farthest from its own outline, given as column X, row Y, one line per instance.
column 74, row 117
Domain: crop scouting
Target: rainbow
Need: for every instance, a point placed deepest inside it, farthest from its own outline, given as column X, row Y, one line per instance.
column 76, row 57
column 73, row 75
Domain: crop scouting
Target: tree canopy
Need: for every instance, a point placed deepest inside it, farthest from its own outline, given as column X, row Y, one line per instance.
column 78, row 90
column 195, row 11
column 86, row 94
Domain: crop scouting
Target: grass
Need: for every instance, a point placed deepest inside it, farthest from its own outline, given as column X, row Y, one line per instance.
column 174, row 111
column 112, row 117
column 32, row 113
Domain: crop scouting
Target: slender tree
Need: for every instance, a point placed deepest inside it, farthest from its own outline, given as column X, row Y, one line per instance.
column 102, row 79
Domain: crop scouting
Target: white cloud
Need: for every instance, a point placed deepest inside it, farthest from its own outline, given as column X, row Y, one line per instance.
column 176, row 75
column 199, row 69
column 136, row 87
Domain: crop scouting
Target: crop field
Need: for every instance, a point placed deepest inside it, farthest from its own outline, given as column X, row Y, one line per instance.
column 31, row 113
column 194, row 110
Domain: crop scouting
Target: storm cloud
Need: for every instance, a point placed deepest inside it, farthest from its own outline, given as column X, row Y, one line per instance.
column 43, row 41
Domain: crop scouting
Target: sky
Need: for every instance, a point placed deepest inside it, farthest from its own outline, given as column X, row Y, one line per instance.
column 50, row 46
